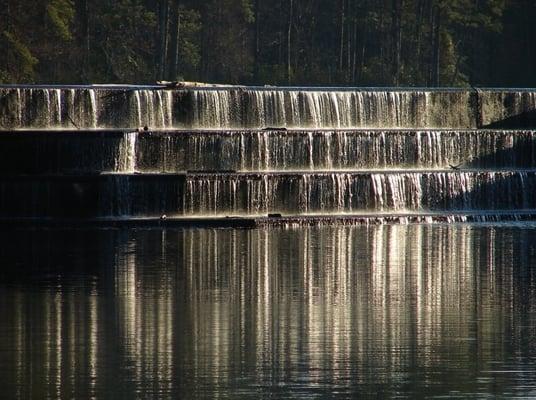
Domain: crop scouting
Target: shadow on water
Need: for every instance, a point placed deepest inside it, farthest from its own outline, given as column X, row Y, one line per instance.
column 503, row 184
column 524, row 120
column 521, row 153
column 385, row 311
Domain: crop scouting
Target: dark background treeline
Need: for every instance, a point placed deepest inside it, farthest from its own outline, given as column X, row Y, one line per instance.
column 314, row 42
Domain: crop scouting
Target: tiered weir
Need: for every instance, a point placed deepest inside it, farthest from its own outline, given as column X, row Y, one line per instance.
column 299, row 155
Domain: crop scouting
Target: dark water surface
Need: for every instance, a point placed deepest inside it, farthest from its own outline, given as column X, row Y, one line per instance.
column 331, row 312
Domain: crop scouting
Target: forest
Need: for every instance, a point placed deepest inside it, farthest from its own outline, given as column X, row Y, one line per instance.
column 270, row 42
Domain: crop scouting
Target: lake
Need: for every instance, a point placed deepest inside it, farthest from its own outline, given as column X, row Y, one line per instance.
column 385, row 311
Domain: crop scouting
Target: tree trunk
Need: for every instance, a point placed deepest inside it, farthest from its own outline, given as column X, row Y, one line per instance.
column 430, row 58
column 396, row 27
column 382, row 52
column 418, row 35
column 257, row 38
column 162, row 38
column 364, row 40
column 289, row 31
column 82, row 17
column 354, row 47
column 350, row 39
column 280, row 34
column 5, row 62
column 436, row 48
column 341, row 47
column 87, row 42
column 6, row 5
column 174, row 27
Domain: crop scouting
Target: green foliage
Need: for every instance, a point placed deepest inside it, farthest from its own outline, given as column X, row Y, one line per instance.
column 246, row 7
column 451, row 60
column 273, row 74
column 343, row 42
column 485, row 15
column 124, row 43
column 227, row 43
column 189, row 47
column 4, row 76
column 21, row 56
column 61, row 15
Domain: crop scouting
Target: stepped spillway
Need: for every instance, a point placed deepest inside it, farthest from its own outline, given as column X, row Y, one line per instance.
column 243, row 194
column 172, row 151
column 256, row 156
column 242, row 107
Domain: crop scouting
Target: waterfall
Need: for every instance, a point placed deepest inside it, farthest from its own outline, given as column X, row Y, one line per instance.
column 328, row 109
column 259, row 194
column 340, row 150
column 130, row 107
column 56, row 107
column 246, row 150
column 139, row 115
column 126, row 160
column 501, row 105
column 355, row 193
column 94, row 109
column 307, row 154
column 85, row 107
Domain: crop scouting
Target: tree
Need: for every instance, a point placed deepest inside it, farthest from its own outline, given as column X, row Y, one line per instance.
column 299, row 42
column 227, row 50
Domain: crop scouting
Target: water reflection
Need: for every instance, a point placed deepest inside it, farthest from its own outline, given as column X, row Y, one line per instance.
column 385, row 310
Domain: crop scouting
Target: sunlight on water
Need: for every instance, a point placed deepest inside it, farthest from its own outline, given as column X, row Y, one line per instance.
column 89, row 107
column 171, row 151
column 393, row 311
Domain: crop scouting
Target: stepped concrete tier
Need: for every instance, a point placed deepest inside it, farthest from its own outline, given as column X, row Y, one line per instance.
column 259, row 107
column 250, row 156
column 254, row 194
column 173, row 151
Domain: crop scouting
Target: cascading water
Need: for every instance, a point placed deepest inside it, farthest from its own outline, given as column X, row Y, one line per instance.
column 134, row 106
column 329, row 109
column 126, row 160
column 120, row 195
column 350, row 192
column 246, row 150
column 353, row 155
column 84, row 108
column 341, row 150
column 94, row 109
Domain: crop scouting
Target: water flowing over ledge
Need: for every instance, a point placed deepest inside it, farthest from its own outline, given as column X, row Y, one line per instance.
column 83, row 151
column 266, row 154
column 239, row 107
column 254, row 194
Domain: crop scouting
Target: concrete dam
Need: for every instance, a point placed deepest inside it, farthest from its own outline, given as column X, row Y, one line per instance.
column 246, row 156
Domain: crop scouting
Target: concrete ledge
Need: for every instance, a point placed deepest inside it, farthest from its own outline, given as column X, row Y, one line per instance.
column 272, row 221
